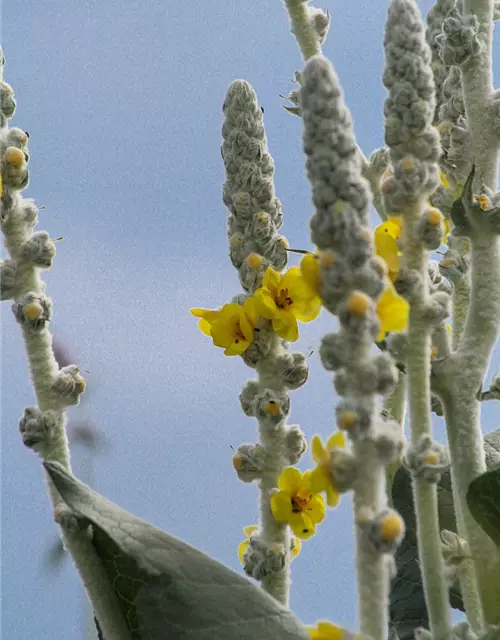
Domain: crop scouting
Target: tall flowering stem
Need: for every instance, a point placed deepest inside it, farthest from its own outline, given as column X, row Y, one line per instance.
column 351, row 279
column 465, row 44
column 302, row 28
column 414, row 152
column 259, row 254
column 43, row 428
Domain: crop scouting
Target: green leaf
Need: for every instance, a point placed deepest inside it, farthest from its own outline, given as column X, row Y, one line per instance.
column 167, row 588
column 483, row 499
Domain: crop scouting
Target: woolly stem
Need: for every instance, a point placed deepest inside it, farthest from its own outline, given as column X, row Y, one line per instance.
column 418, row 380
column 469, row 365
column 304, row 32
column 395, row 404
column 461, row 292
column 44, row 369
column 466, row 445
column 272, row 531
column 371, row 568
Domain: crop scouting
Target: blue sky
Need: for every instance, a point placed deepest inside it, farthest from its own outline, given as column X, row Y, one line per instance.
column 123, row 103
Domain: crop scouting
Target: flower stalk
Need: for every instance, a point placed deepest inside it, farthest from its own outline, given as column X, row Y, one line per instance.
column 43, row 429
column 414, row 151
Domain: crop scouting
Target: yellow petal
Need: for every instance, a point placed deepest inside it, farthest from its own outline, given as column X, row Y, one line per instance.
column 242, row 547
column 318, row 451
column 320, row 479
column 290, row 480
column 206, row 314
column 281, row 506
column 316, row 509
column 251, row 310
column 288, row 280
column 313, row 633
column 265, row 304
column 329, row 631
column 245, row 326
column 306, row 309
column 271, row 280
column 332, row 496
column 286, row 329
column 392, row 310
column 229, row 311
column 249, row 529
column 237, row 347
column 302, row 525
column 309, row 267
column 205, row 327
column 337, row 439
column 222, row 334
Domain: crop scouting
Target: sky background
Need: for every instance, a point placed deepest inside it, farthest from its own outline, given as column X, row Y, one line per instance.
column 123, row 103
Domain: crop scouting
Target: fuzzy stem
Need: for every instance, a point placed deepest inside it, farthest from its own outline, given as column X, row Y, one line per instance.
column 44, row 369
column 304, row 32
column 418, row 380
column 371, row 567
column 460, row 306
column 395, row 404
column 272, row 531
column 462, row 408
column 466, row 444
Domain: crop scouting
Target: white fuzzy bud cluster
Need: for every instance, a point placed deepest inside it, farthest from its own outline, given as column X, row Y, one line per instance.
column 455, row 553
column 33, row 311
column 454, row 266
column 39, row 250
column 440, row 10
column 389, row 439
column 295, row 443
column 262, row 559
column 68, row 386
column 384, row 531
column 7, row 98
column 427, row 459
column 38, row 427
column 320, row 22
column 248, row 462
column 248, row 192
column 8, row 279
column 437, row 282
column 459, row 38
column 409, row 109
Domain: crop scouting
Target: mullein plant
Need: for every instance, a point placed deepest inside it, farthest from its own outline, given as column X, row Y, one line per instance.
column 433, row 183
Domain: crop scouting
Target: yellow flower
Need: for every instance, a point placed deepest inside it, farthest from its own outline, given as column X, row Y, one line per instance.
column 286, row 299
column 321, row 477
column 230, row 327
column 296, row 503
column 386, row 238
column 242, row 547
column 309, row 268
column 392, row 311
column 325, row 631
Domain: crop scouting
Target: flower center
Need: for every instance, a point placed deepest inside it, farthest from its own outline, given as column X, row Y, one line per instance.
column 300, row 503
column 283, row 300
column 238, row 333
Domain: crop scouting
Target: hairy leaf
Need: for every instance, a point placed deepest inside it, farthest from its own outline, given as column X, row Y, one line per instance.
column 407, row 602
column 483, row 498
column 167, row 588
